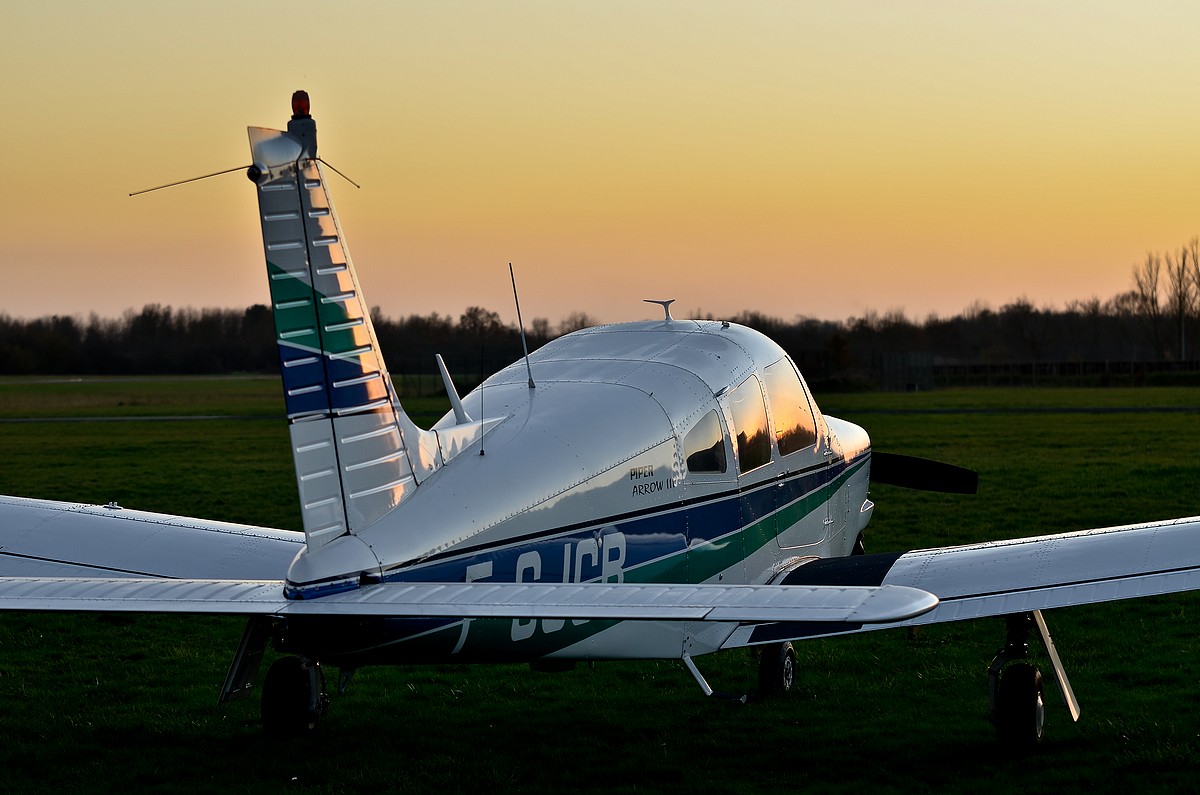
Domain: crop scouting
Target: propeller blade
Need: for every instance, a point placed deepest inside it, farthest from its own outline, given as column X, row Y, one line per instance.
column 922, row 474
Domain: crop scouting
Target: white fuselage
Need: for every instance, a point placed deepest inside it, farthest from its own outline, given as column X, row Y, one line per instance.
column 643, row 454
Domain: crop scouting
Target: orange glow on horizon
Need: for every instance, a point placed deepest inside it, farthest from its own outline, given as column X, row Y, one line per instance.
column 798, row 159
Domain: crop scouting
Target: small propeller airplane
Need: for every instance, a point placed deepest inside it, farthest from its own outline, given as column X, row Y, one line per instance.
column 651, row 490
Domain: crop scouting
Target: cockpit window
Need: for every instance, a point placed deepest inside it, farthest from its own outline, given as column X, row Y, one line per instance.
column 750, row 424
column 795, row 428
column 704, row 446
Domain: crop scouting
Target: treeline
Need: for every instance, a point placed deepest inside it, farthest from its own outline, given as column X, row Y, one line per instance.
column 1156, row 322
column 164, row 340
column 160, row 339
column 156, row 340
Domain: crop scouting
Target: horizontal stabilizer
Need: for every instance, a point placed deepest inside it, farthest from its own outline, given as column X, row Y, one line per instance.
column 46, row 538
column 665, row 602
column 112, row 595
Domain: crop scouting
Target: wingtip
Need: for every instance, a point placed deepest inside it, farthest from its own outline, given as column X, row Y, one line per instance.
column 889, row 604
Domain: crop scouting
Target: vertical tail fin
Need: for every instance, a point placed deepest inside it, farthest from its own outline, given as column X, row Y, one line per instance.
column 357, row 454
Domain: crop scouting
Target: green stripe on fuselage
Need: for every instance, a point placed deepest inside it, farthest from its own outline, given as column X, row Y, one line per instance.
column 493, row 639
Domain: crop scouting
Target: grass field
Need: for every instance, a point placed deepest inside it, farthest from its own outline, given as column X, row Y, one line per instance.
column 97, row 703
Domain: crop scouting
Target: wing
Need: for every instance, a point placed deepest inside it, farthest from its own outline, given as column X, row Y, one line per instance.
column 40, row 538
column 1017, row 576
column 669, row 602
column 65, row 556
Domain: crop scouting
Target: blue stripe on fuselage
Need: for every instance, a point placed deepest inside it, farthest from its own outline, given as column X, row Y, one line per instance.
column 566, row 554
column 653, row 540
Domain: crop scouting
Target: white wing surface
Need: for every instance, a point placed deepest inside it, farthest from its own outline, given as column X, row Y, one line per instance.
column 1019, row 576
column 41, row 538
column 731, row 603
column 1016, row 576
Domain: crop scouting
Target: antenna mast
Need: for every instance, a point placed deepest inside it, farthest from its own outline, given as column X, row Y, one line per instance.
column 521, row 323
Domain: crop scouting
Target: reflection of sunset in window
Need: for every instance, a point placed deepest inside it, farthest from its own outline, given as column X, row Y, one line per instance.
column 795, row 428
column 750, row 424
column 704, row 446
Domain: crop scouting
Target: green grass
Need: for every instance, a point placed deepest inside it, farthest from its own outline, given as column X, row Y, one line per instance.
column 1023, row 398
column 102, row 703
column 140, row 396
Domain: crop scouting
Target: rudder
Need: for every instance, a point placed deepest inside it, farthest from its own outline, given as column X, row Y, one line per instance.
column 357, row 454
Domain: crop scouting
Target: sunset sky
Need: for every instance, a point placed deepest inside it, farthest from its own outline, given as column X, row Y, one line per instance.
column 816, row 159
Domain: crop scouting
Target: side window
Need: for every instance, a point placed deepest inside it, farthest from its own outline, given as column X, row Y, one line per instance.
column 795, row 428
column 750, row 425
column 704, row 446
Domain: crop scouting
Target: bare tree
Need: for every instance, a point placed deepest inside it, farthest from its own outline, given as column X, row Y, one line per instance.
column 1193, row 251
column 1090, row 316
column 1181, row 293
column 1146, row 278
column 479, row 322
column 1122, row 305
column 1026, row 325
column 539, row 331
column 575, row 321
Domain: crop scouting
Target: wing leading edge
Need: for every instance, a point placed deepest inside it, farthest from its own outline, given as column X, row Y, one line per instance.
column 663, row 602
column 1015, row 576
column 94, row 558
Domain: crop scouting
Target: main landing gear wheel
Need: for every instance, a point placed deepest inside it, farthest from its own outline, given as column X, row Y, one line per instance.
column 1015, row 698
column 1020, row 706
column 776, row 669
column 293, row 697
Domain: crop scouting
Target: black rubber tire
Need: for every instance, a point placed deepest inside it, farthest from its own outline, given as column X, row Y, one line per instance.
column 293, row 698
column 1020, row 706
column 776, row 669
column 859, row 548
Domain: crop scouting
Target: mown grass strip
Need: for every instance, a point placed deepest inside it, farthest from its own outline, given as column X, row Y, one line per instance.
column 96, row 703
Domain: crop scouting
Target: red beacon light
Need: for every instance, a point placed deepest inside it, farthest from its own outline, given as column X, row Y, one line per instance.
column 301, row 126
column 300, row 104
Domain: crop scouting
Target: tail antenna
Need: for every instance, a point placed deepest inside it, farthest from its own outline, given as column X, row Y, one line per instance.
column 194, row 179
column 254, row 176
column 460, row 414
column 340, row 174
column 521, row 323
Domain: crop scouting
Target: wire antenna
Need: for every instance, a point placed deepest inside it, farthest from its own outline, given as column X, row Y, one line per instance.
column 340, row 174
column 521, row 323
column 230, row 171
column 196, row 179
column 482, row 413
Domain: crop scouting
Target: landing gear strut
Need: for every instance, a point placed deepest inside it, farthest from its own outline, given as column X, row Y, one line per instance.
column 1016, row 699
column 293, row 697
